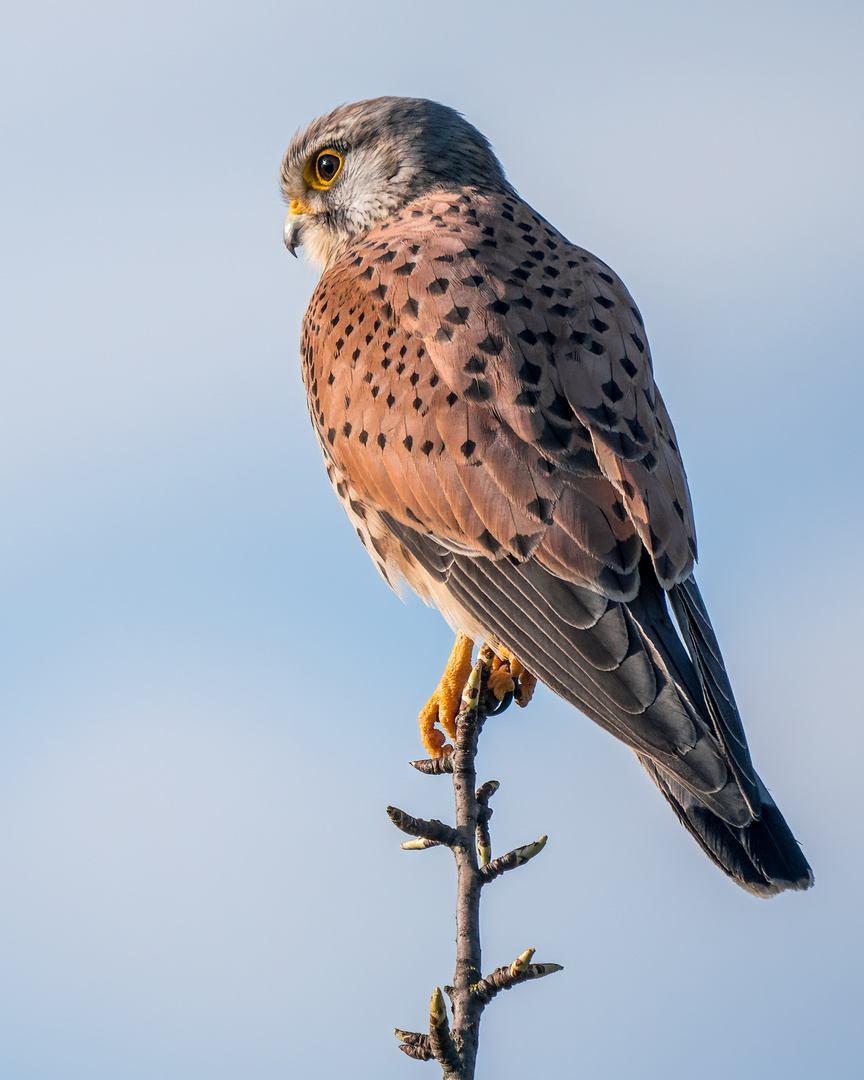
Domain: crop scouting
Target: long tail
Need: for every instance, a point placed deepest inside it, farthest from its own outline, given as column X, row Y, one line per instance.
column 763, row 857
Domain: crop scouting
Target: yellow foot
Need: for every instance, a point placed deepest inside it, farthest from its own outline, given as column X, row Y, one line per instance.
column 510, row 677
column 443, row 706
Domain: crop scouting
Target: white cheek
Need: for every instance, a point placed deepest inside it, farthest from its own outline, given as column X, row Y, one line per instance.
column 318, row 245
column 321, row 245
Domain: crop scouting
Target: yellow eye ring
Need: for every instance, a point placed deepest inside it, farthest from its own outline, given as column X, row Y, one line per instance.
column 322, row 170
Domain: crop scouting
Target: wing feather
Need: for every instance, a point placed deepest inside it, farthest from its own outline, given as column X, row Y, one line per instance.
column 488, row 392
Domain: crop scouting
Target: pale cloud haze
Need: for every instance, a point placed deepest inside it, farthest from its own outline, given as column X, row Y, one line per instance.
column 208, row 695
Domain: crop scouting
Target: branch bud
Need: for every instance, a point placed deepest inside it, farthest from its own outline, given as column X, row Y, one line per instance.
column 517, row 857
column 521, row 962
column 434, row 830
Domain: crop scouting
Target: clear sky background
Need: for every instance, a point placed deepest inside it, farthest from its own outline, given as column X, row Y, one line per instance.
column 208, row 696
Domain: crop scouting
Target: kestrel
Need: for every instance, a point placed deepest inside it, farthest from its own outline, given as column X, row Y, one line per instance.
column 484, row 398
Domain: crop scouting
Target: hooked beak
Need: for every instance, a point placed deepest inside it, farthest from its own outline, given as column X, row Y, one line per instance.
column 293, row 233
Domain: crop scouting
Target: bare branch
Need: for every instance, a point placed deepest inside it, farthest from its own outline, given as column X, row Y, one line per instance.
column 470, row 842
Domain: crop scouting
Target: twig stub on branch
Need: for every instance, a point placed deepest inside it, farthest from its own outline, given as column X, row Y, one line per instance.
column 517, row 857
column 433, row 830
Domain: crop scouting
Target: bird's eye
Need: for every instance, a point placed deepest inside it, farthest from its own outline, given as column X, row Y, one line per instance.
column 327, row 166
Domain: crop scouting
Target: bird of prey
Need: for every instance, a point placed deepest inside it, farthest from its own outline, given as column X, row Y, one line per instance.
column 484, row 398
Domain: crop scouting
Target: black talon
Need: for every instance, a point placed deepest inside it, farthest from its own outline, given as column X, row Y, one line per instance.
column 506, row 701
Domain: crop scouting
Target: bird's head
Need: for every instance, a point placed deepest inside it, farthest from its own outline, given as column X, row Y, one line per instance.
column 361, row 163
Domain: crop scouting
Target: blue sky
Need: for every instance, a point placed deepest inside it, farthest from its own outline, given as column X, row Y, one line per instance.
column 208, row 695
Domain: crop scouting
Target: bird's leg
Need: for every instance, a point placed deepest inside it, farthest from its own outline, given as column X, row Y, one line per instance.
column 510, row 677
column 443, row 706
